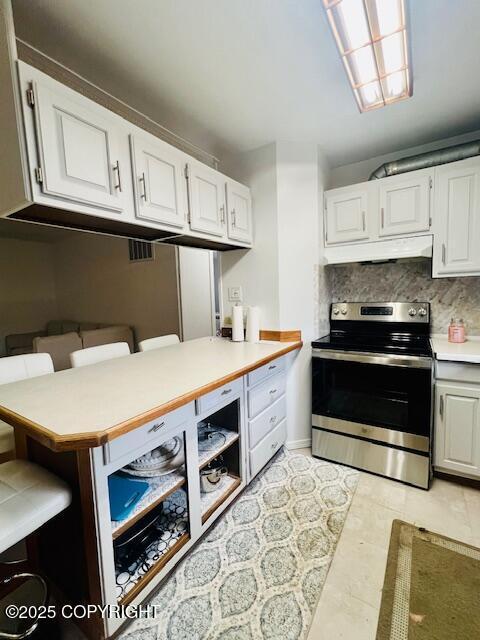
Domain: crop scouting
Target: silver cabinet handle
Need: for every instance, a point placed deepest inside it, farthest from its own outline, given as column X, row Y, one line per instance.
column 226, row 392
column 116, row 169
column 234, row 218
column 441, row 406
column 444, row 253
column 222, row 214
column 382, row 211
column 364, row 224
column 273, row 419
column 156, row 427
column 272, row 391
column 143, row 193
column 272, row 366
column 274, row 444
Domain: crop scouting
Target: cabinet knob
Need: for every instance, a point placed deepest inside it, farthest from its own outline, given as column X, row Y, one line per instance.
column 226, row 392
column 273, row 391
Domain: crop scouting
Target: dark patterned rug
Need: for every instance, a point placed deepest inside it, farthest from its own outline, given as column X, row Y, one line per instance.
column 259, row 572
column 431, row 589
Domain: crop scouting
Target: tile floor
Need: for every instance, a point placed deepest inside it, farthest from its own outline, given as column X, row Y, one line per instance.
column 350, row 601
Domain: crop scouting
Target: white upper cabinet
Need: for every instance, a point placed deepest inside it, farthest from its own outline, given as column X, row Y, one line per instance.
column 457, row 428
column 206, row 190
column 239, row 212
column 456, row 248
column 79, row 149
column 346, row 216
column 160, row 187
column 405, row 203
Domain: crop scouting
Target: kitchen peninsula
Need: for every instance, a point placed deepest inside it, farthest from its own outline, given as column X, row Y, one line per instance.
column 90, row 423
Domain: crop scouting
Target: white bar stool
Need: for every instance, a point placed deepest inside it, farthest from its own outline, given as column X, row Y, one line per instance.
column 92, row 355
column 29, row 497
column 16, row 368
column 158, row 342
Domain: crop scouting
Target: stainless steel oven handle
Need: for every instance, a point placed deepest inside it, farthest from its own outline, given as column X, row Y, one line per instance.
column 391, row 360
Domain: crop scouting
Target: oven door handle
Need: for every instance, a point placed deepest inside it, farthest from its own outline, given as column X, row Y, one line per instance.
column 391, row 360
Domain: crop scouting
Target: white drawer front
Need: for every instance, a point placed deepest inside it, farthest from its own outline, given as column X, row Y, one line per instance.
column 267, row 447
column 265, row 394
column 221, row 395
column 256, row 376
column 150, row 431
column 266, row 421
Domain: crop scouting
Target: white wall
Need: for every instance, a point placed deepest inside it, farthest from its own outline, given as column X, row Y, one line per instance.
column 256, row 270
column 95, row 281
column 27, row 287
column 360, row 171
column 282, row 270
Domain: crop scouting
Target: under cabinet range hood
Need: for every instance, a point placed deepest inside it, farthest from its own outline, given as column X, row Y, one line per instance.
column 381, row 251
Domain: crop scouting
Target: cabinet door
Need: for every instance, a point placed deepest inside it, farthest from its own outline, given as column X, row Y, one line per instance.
column 405, row 204
column 79, row 147
column 239, row 212
column 206, row 189
column 346, row 215
column 160, row 184
column 457, row 219
column 457, row 428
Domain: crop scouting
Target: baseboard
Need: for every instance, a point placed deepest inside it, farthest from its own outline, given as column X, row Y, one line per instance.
column 299, row 444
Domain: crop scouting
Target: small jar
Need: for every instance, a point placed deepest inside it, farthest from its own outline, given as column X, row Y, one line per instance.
column 456, row 330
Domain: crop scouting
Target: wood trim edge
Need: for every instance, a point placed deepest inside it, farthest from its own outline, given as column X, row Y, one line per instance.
column 281, row 336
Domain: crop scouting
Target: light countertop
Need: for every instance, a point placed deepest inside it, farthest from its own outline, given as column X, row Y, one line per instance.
column 85, row 407
column 468, row 351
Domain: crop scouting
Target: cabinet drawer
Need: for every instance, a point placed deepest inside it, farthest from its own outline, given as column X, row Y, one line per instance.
column 267, row 447
column 148, row 432
column 265, row 394
column 220, row 396
column 266, row 421
column 256, row 376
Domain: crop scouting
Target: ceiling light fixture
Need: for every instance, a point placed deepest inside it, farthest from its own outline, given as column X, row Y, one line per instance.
column 371, row 36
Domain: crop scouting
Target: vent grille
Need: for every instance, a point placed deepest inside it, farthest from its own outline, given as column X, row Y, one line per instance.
column 140, row 251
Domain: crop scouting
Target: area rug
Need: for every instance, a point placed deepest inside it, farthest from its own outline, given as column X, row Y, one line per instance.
column 259, row 572
column 431, row 589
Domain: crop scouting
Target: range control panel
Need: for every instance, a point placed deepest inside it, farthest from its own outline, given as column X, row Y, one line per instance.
column 381, row 311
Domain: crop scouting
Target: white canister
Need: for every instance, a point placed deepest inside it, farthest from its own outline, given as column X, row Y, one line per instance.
column 238, row 334
column 253, row 324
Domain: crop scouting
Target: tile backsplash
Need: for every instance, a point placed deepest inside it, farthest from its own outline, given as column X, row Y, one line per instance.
column 407, row 281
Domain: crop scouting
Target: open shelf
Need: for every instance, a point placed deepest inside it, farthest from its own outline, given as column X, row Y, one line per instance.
column 212, row 500
column 204, row 457
column 160, row 488
column 173, row 533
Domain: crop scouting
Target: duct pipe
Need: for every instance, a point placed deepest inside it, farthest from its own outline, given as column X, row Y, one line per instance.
column 428, row 159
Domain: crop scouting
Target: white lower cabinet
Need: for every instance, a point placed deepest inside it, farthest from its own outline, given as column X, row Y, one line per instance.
column 268, row 447
column 457, row 428
column 267, row 410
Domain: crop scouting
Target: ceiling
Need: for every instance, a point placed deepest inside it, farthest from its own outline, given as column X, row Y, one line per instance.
column 232, row 75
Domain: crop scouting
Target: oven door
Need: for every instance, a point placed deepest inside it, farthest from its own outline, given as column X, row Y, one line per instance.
column 377, row 397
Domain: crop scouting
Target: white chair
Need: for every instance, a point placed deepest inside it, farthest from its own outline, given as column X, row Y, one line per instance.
column 158, row 342
column 92, row 355
column 16, row 368
column 29, row 497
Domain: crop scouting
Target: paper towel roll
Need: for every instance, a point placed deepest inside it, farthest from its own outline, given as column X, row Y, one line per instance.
column 237, row 324
column 253, row 324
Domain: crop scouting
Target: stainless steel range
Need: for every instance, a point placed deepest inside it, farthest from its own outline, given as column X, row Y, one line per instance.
column 372, row 390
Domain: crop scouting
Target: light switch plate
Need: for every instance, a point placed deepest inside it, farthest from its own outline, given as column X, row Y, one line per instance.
column 235, row 294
